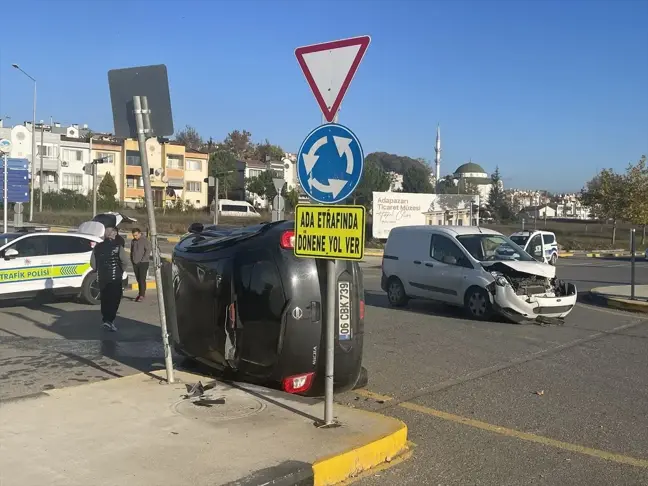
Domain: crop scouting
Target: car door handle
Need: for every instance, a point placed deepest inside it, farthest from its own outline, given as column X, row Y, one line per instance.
column 417, row 262
column 429, row 264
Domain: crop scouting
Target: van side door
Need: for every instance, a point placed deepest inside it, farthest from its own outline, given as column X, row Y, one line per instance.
column 550, row 246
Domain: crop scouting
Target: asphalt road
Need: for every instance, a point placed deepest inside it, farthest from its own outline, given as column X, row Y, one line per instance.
column 486, row 403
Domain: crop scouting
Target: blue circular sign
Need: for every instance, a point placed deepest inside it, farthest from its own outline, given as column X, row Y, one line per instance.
column 330, row 163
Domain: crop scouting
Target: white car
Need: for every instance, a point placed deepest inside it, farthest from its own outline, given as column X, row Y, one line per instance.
column 540, row 244
column 476, row 268
column 32, row 262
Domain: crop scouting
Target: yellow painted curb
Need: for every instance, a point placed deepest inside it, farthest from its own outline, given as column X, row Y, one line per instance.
column 373, row 252
column 627, row 305
column 563, row 255
column 340, row 467
column 150, row 285
column 173, row 239
column 58, row 229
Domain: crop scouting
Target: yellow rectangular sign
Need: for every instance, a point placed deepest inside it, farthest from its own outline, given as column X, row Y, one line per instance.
column 334, row 231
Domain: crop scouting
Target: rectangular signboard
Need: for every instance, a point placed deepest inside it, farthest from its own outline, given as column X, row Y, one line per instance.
column 330, row 231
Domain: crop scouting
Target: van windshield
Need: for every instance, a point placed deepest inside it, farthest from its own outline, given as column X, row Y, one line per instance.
column 489, row 248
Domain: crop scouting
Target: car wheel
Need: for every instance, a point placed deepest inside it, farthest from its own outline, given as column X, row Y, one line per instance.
column 478, row 304
column 553, row 259
column 363, row 379
column 90, row 289
column 396, row 292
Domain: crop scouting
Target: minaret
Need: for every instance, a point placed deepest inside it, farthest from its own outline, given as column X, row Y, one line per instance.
column 437, row 157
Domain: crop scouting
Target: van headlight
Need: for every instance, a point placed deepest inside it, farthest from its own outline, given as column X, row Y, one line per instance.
column 499, row 279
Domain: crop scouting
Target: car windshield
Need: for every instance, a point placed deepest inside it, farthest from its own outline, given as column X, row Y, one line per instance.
column 490, row 248
column 520, row 240
column 7, row 238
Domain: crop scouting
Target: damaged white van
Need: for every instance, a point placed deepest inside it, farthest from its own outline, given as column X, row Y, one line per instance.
column 476, row 268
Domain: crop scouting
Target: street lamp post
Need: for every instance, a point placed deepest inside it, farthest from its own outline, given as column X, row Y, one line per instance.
column 33, row 157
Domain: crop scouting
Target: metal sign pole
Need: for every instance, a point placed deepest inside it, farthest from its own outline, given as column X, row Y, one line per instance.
column 40, row 177
column 216, row 186
column 5, row 198
column 142, row 120
column 94, row 182
column 632, row 264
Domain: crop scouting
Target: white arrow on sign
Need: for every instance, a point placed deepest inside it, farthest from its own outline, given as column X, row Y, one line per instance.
column 334, row 186
column 343, row 147
column 310, row 158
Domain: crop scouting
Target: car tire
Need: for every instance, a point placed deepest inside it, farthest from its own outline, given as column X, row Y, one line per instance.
column 90, row 289
column 363, row 379
column 396, row 292
column 553, row 259
column 477, row 304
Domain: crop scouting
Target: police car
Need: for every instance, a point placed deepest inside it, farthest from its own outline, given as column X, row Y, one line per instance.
column 34, row 260
column 540, row 244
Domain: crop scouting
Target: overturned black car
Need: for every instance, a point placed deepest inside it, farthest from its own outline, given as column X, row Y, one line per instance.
column 244, row 304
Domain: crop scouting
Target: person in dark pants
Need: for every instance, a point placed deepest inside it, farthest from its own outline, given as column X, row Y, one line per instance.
column 140, row 255
column 109, row 261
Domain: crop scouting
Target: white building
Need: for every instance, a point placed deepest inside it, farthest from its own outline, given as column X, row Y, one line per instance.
column 474, row 175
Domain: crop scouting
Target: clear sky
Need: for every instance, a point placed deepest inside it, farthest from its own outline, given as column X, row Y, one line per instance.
column 549, row 91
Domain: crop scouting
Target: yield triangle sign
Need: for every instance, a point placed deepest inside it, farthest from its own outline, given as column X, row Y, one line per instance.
column 329, row 69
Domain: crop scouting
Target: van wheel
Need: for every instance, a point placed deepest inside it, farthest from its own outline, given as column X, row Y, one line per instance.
column 478, row 304
column 396, row 292
column 553, row 259
column 90, row 293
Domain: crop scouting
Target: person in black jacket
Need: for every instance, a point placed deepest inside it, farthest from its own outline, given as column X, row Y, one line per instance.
column 109, row 260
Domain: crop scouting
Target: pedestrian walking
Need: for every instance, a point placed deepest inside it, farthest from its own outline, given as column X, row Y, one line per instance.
column 109, row 261
column 140, row 255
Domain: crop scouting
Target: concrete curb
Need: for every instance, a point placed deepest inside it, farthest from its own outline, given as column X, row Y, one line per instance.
column 618, row 303
column 348, row 464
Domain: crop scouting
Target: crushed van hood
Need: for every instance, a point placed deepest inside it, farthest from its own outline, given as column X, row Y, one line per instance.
column 532, row 268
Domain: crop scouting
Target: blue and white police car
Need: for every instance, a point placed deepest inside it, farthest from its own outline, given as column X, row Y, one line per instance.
column 539, row 244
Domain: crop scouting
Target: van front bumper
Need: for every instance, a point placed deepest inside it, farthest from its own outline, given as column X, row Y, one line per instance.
column 519, row 308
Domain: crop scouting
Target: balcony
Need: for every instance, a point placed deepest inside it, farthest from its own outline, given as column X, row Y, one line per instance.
column 50, row 164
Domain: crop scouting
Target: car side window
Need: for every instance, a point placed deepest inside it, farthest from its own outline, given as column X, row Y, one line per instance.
column 32, row 246
column 67, row 245
column 548, row 239
column 535, row 246
column 442, row 249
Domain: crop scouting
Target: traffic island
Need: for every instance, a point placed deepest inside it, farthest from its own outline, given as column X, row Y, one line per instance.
column 618, row 297
column 138, row 430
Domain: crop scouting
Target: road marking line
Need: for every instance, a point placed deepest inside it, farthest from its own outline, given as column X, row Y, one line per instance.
column 608, row 311
column 538, row 439
column 374, row 396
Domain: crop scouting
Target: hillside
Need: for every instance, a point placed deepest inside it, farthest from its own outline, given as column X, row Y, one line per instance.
column 395, row 163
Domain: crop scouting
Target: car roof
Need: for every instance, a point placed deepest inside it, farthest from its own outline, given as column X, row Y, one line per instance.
column 57, row 233
column 448, row 230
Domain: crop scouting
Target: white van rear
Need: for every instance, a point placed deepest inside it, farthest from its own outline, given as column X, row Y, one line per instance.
column 237, row 209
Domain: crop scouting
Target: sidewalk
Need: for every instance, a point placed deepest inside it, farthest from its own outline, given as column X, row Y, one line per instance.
column 618, row 297
column 140, row 431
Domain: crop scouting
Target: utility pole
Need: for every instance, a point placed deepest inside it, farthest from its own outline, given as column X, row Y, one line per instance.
column 94, row 181
column 40, row 178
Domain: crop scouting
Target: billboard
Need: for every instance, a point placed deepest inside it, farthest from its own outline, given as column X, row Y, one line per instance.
column 394, row 209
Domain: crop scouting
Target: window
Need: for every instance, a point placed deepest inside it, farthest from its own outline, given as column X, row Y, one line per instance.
column 133, row 158
column 492, row 247
column 175, row 162
column 548, row 239
column 255, row 172
column 234, row 208
column 73, row 182
column 134, row 182
column 65, row 245
column 107, row 157
column 535, row 247
column 442, row 248
column 193, row 164
column 31, row 246
column 45, row 150
column 72, row 155
column 194, row 186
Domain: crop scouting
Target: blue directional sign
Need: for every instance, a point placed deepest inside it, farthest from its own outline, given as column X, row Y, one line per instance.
column 330, row 163
column 17, row 180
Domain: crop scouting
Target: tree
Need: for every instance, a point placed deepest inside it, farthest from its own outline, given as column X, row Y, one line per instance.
column 417, row 179
column 608, row 197
column 266, row 149
column 107, row 189
column 498, row 204
column 292, row 197
column 637, row 186
column 222, row 164
column 239, row 142
column 190, row 138
column 374, row 179
column 262, row 185
column 393, row 162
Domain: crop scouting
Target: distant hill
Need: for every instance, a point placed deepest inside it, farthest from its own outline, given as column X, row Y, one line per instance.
column 395, row 163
